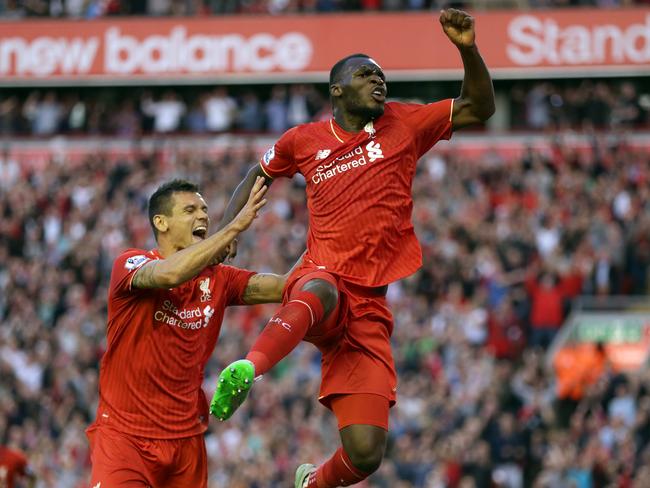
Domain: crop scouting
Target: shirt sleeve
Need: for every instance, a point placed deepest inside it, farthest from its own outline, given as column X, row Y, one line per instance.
column 124, row 268
column 279, row 159
column 237, row 280
column 428, row 123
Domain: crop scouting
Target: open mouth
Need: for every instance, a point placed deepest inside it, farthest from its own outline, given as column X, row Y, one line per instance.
column 379, row 95
column 200, row 232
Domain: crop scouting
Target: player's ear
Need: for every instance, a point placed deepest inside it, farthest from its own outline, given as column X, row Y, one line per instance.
column 160, row 222
column 335, row 90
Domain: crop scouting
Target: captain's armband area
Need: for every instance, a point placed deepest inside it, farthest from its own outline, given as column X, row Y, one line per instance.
column 145, row 277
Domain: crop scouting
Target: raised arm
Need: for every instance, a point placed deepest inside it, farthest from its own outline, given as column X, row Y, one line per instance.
column 238, row 200
column 187, row 263
column 240, row 196
column 476, row 102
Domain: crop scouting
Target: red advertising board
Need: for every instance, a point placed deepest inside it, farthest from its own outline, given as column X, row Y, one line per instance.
column 258, row 49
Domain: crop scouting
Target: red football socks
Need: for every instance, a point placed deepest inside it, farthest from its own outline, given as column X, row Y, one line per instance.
column 337, row 471
column 285, row 330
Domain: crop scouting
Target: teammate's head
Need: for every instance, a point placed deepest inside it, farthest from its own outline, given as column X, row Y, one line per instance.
column 178, row 211
column 358, row 86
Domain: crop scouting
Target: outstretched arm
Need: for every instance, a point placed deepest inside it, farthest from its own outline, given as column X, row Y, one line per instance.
column 476, row 102
column 184, row 265
column 267, row 287
column 238, row 200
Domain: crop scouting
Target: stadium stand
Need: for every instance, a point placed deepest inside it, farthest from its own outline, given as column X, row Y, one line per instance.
column 570, row 105
column 476, row 401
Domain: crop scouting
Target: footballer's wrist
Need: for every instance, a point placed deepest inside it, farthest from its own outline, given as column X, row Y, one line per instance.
column 230, row 232
column 467, row 49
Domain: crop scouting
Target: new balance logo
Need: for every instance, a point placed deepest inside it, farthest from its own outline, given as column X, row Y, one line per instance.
column 98, row 485
column 322, row 154
column 374, row 151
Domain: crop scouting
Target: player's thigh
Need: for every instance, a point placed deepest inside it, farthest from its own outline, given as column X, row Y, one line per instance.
column 321, row 283
column 361, row 409
column 191, row 464
column 116, row 461
column 362, row 361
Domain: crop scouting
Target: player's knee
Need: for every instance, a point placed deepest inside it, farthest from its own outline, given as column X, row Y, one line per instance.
column 325, row 291
column 366, row 454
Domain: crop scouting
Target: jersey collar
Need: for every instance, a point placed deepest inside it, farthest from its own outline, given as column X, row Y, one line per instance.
column 342, row 135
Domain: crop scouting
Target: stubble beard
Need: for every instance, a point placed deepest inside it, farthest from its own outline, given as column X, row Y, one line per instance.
column 366, row 112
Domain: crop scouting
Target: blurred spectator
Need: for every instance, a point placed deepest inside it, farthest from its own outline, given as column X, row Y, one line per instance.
column 544, row 106
column 9, row 170
column 547, row 308
column 43, row 113
column 195, row 120
column 251, row 117
column 220, row 110
column 166, row 113
column 14, row 468
column 276, row 110
column 126, row 121
column 508, row 449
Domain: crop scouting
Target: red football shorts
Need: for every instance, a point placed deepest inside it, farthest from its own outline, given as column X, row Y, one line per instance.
column 125, row 461
column 354, row 340
column 360, row 408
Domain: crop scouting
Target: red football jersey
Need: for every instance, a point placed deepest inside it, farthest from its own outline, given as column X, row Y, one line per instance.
column 158, row 342
column 359, row 188
column 12, row 463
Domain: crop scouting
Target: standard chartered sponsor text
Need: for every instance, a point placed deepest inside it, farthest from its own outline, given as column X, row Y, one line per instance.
column 171, row 315
column 339, row 165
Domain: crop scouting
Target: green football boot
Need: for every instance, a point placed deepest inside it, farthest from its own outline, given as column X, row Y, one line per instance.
column 232, row 388
column 302, row 475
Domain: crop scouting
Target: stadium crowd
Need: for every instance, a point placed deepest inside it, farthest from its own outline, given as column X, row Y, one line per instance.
column 506, row 243
column 577, row 105
column 16, row 9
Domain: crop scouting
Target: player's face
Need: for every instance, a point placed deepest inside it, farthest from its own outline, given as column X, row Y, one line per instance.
column 189, row 221
column 363, row 88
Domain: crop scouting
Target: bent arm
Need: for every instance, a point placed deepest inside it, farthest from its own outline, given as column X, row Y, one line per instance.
column 186, row 264
column 264, row 288
column 267, row 287
column 476, row 102
column 189, row 262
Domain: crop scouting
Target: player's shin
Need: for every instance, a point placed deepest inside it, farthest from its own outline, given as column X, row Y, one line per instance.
column 281, row 335
column 285, row 330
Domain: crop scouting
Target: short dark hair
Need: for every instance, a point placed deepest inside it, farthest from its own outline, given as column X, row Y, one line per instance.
column 161, row 200
column 335, row 72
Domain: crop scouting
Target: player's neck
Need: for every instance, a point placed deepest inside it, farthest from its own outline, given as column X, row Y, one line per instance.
column 349, row 122
column 165, row 249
